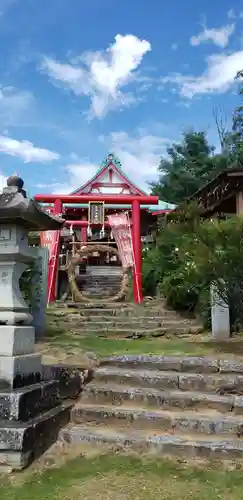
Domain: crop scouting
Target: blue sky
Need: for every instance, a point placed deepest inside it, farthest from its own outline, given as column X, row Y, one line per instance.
column 79, row 79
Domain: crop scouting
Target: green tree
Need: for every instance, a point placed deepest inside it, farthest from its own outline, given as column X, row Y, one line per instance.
column 238, row 114
column 168, row 269
column 217, row 255
column 190, row 255
column 188, row 166
column 235, row 139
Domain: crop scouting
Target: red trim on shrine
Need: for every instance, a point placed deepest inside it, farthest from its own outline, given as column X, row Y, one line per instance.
column 110, row 182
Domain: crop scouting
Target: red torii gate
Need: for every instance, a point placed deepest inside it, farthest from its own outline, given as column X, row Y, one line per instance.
column 134, row 200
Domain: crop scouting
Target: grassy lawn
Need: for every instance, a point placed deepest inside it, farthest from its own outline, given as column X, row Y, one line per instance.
column 193, row 345
column 108, row 346
column 114, row 477
column 61, row 337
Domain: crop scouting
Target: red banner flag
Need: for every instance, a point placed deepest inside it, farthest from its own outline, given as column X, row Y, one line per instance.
column 121, row 230
column 51, row 240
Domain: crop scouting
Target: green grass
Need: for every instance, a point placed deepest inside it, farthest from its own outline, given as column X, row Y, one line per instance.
column 114, row 477
column 106, row 347
column 58, row 336
column 194, row 345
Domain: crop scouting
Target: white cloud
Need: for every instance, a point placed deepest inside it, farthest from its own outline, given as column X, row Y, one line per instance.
column 3, row 181
column 218, row 77
column 139, row 154
column 219, row 36
column 102, row 75
column 78, row 174
column 26, row 150
column 14, row 104
column 174, row 46
column 5, row 4
column 232, row 14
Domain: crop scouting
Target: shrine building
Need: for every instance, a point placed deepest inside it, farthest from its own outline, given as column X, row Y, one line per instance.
column 88, row 231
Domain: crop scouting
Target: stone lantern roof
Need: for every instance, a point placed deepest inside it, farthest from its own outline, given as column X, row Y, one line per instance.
column 16, row 207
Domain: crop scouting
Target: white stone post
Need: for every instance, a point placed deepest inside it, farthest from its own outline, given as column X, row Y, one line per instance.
column 19, row 365
column 220, row 317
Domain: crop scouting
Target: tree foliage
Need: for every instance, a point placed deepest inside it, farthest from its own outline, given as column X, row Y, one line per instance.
column 217, row 253
column 188, row 165
column 193, row 162
column 190, row 255
column 236, row 138
column 168, row 269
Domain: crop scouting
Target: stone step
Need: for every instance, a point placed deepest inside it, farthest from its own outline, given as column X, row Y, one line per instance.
column 106, row 282
column 101, row 287
column 116, row 309
column 215, row 383
column 189, row 364
column 135, row 332
column 94, row 288
column 128, row 314
column 126, row 320
column 109, row 322
column 103, row 273
column 210, row 422
column 153, row 304
column 21, row 443
column 161, row 443
column 104, row 270
column 170, row 399
column 94, row 305
column 95, row 291
column 102, row 278
column 83, row 319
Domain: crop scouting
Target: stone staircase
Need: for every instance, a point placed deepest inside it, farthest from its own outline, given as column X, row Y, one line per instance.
column 188, row 407
column 126, row 320
column 102, row 281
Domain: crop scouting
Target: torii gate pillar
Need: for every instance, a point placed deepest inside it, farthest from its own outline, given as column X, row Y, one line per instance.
column 137, row 249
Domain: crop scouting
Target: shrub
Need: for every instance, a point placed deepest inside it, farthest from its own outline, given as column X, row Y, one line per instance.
column 190, row 254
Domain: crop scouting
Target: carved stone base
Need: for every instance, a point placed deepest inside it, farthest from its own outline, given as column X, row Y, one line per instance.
column 19, row 371
column 16, row 340
column 21, row 443
column 32, row 416
column 27, row 402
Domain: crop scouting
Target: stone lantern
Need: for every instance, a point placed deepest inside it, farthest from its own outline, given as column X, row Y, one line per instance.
column 27, row 404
